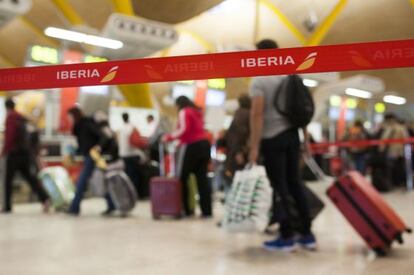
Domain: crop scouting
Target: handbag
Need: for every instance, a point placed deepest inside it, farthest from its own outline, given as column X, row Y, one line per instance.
column 136, row 140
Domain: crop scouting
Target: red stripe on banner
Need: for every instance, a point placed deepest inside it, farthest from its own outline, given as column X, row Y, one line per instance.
column 360, row 143
column 335, row 58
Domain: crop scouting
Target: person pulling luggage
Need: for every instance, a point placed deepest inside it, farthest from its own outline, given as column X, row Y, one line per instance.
column 193, row 155
column 275, row 120
column 89, row 136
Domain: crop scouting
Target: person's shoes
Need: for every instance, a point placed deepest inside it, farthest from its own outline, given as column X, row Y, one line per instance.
column 124, row 215
column 46, row 206
column 6, row 211
column 280, row 244
column 307, row 242
column 108, row 212
column 206, row 217
column 189, row 215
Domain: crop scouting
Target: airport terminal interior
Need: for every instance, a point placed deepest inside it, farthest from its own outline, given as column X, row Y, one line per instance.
column 110, row 166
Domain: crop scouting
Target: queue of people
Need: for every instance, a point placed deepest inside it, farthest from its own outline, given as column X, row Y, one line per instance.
column 259, row 134
column 386, row 162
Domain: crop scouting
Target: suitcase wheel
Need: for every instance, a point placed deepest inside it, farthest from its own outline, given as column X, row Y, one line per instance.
column 177, row 217
column 380, row 252
column 399, row 238
column 409, row 230
column 155, row 217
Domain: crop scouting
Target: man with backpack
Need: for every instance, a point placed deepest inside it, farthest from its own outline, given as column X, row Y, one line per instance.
column 281, row 105
column 18, row 152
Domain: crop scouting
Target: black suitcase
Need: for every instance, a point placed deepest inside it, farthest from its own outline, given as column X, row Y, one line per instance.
column 381, row 178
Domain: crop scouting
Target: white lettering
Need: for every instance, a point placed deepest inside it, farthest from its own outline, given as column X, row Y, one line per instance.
column 267, row 61
column 95, row 73
column 77, row 74
column 262, row 62
column 251, row 62
column 289, row 61
column 272, row 61
column 82, row 74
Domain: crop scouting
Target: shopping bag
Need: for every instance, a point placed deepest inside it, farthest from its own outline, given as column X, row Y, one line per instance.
column 136, row 140
column 248, row 202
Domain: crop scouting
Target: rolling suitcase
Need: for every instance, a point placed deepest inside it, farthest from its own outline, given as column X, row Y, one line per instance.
column 367, row 211
column 58, row 185
column 166, row 192
column 120, row 187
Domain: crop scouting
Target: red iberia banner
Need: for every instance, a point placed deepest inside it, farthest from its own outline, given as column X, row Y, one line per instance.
column 334, row 58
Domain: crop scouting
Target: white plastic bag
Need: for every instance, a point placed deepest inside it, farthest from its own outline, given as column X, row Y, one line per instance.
column 248, row 202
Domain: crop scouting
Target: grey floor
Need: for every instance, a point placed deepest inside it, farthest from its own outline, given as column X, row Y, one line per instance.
column 34, row 243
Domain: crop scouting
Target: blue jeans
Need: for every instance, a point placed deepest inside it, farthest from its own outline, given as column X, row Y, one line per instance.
column 359, row 162
column 82, row 184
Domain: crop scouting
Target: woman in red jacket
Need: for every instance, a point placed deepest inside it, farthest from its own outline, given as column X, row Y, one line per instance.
column 194, row 153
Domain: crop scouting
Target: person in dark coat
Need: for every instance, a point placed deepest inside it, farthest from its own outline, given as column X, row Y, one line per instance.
column 89, row 136
column 19, row 157
column 237, row 138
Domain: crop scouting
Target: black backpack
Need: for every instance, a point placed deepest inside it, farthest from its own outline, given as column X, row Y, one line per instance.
column 294, row 101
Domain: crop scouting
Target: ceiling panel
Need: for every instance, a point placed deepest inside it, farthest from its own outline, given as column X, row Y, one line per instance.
column 19, row 38
column 43, row 14
column 172, row 11
column 94, row 12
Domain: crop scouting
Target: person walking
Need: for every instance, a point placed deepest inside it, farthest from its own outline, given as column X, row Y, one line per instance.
column 278, row 142
column 19, row 157
column 132, row 156
column 88, row 136
column 193, row 155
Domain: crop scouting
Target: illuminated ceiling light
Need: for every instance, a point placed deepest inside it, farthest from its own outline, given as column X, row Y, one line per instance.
column 83, row 38
column 380, row 108
column 310, row 83
column 393, row 99
column 351, row 103
column 335, row 101
column 358, row 93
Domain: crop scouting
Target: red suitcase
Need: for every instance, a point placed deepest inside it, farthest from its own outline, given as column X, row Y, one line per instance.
column 166, row 192
column 367, row 212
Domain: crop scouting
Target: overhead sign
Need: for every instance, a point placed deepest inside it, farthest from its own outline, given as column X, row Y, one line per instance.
column 44, row 54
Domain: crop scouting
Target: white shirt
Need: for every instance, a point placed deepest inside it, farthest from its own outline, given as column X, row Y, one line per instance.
column 125, row 148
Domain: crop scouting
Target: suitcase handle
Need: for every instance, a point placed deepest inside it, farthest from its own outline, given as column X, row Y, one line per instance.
column 161, row 147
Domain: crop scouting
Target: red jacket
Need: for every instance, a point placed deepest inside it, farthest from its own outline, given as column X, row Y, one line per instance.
column 10, row 134
column 190, row 126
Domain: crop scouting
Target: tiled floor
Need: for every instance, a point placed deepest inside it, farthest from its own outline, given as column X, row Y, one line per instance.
column 33, row 243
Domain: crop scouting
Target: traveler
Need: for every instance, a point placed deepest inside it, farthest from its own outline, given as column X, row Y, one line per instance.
column 237, row 138
column 393, row 129
column 193, row 155
column 278, row 141
column 89, row 136
column 131, row 155
column 19, row 157
column 152, row 125
column 110, row 147
column 358, row 154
